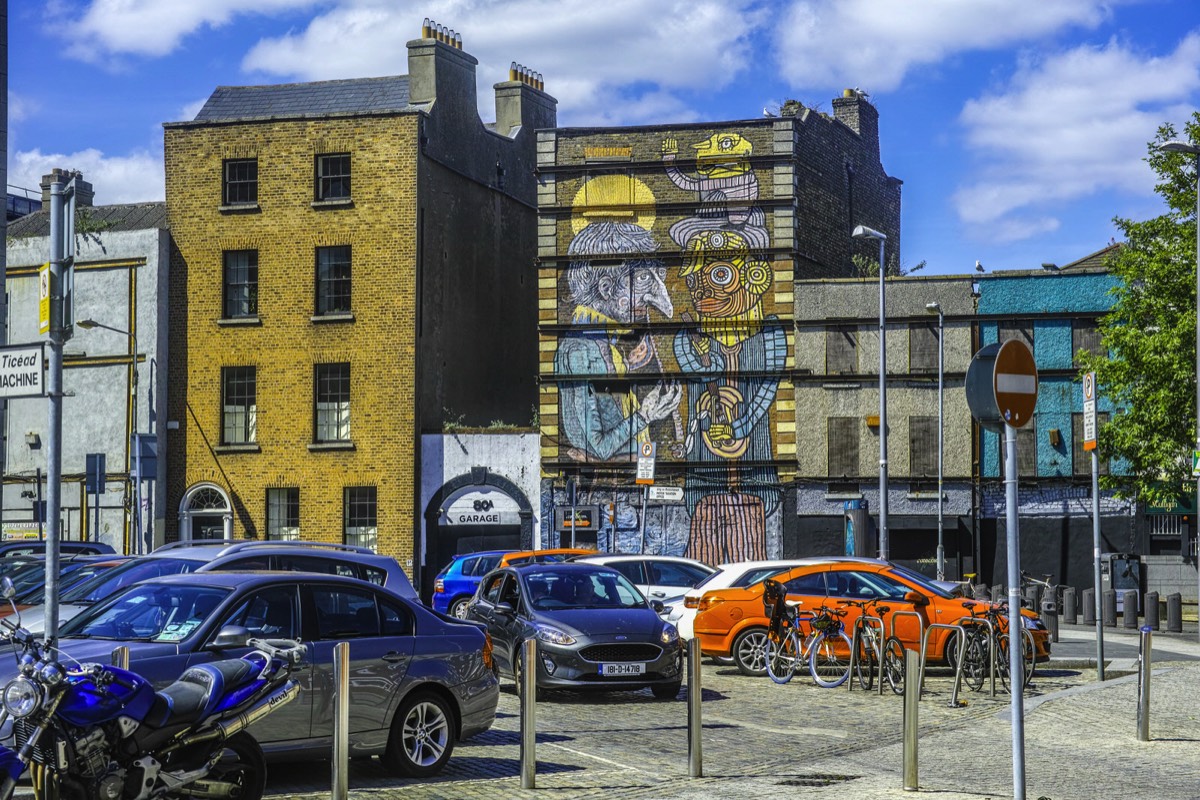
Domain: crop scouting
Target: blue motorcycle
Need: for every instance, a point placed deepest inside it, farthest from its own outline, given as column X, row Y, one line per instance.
column 99, row 732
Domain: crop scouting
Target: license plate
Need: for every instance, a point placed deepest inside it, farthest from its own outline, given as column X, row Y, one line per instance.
column 615, row 670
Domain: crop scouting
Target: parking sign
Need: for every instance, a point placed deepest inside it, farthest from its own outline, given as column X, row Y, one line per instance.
column 1089, row 411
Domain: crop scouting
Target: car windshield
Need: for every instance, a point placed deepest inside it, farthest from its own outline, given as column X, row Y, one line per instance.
column 85, row 572
column 148, row 613
column 30, row 580
column 912, row 576
column 104, row 584
column 555, row 590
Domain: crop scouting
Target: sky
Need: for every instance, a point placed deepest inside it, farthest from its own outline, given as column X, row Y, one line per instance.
column 1019, row 127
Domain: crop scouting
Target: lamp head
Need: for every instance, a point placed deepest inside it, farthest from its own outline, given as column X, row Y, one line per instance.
column 933, row 308
column 86, row 324
column 863, row 232
column 1176, row 146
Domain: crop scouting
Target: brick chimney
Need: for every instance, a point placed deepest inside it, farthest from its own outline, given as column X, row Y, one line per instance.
column 855, row 111
column 522, row 103
column 439, row 68
column 84, row 195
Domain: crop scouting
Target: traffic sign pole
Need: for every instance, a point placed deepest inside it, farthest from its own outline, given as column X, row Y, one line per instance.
column 1089, row 444
column 1016, row 653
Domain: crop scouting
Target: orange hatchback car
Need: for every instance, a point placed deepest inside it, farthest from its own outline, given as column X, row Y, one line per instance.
column 732, row 623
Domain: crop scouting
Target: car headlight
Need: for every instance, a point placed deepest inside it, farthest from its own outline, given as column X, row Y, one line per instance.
column 554, row 636
column 669, row 634
column 21, row 697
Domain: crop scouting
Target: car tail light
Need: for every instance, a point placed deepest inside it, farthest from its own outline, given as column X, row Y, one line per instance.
column 709, row 601
column 691, row 602
column 439, row 586
column 487, row 650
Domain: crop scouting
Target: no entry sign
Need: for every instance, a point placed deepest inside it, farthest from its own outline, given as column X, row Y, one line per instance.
column 1002, row 385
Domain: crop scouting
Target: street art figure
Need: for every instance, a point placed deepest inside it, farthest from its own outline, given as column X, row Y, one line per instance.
column 729, row 351
column 599, row 423
column 727, row 187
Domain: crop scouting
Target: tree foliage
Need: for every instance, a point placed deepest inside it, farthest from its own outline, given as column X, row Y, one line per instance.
column 1149, row 371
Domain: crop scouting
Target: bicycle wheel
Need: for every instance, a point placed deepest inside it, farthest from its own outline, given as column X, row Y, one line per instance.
column 864, row 665
column 893, row 664
column 829, row 659
column 975, row 658
column 783, row 655
column 1003, row 666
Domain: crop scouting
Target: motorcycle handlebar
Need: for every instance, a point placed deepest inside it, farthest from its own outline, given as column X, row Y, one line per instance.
column 286, row 649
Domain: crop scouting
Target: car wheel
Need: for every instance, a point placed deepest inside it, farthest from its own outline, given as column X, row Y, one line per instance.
column 750, row 651
column 459, row 607
column 666, row 691
column 722, row 661
column 422, row 737
column 519, row 678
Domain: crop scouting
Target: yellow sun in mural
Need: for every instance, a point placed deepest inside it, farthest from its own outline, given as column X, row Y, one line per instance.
column 613, row 197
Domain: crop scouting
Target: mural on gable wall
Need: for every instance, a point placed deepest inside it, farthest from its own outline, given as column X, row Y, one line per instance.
column 708, row 389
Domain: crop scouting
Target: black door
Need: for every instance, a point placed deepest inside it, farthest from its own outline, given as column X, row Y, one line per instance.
column 208, row 526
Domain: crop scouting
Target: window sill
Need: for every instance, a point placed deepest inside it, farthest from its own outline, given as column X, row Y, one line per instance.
column 919, row 495
column 321, row 447
column 236, row 322
column 322, row 319
column 325, row 205
column 839, row 385
column 843, row 496
column 251, row 447
column 240, row 208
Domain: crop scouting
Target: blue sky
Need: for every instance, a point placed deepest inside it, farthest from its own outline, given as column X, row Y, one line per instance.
column 1019, row 127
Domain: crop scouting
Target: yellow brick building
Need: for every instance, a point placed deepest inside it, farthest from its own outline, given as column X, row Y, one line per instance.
column 330, row 287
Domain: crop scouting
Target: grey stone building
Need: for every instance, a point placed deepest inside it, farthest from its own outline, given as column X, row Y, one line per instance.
column 837, row 416
column 114, row 383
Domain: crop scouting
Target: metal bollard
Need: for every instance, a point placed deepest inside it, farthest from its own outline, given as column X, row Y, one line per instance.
column 695, row 723
column 1151, row 610
column 1089, row 606
column 1109, row 607
column 998, row 593
column 120, row 657
column 1143, row 708
column 1032, row 597
column 1050, row 618
column 912, row 697
column 1175, row 613
column 528, row 689
column 1129, row 613
column 341, row 721
column 1070, row 610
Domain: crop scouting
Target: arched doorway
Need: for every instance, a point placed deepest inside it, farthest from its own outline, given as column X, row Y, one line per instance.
column 205, row 513
column 479, row 511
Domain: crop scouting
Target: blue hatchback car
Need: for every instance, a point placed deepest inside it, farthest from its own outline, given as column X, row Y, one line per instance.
column 455, row 585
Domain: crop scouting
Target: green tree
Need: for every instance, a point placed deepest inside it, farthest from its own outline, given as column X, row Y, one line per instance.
column 1149, row 370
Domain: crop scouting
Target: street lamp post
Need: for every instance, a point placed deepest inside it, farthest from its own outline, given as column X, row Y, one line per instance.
column 1176, row 146
column 863, row 232
column 137, row 547
column 936, row 308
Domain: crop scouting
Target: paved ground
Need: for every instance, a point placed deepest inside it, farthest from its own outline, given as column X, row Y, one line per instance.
column 799, row 740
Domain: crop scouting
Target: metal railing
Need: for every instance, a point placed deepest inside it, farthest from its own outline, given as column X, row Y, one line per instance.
column 856, row 639
column 962, row 637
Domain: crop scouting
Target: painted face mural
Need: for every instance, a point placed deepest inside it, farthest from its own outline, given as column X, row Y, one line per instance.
column 702, row 388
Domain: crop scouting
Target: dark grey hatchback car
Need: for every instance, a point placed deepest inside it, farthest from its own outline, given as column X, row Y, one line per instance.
column 419, row 681
column 594, row 629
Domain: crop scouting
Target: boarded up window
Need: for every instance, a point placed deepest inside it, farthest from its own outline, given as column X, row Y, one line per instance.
column 1019, row 329
column 922, row 446
column 1027, row 456
column 922, row 347
column 841, row 350
column 843, row 446
column 1085, row 335
column 1082, row 459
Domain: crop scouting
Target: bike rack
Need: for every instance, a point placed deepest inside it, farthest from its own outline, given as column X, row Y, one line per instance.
column 859, row 624
column 962, row 633
column 915, row 615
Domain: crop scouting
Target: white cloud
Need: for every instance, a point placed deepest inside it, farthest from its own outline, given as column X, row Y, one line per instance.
column 133, row 178
column 610, row 61
column 155, row 27
column 189, row 111
column 1070, row 126
column 833, row 44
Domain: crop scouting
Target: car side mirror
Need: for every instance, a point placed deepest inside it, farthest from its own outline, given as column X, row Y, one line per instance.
column 658, row 606
column 229, row 637
column 7, row 590
column 506, row 609
column 917, row 599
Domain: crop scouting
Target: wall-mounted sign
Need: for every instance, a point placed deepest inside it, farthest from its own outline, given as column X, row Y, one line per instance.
column 645, row 464
column 478, row 506
column 23, row 370
column 585, row 518
column 666, row 493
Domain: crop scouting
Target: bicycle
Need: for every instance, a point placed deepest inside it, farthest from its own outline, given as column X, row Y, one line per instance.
column 979, row 646
column 890, row 650
column 788, row 648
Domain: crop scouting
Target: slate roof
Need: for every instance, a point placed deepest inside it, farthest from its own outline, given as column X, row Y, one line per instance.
column 128, row 217
column 300, row 100
column 1099, row 258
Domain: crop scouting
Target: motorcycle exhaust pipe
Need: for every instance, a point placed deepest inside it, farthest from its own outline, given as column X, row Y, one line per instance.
column 227, row 728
